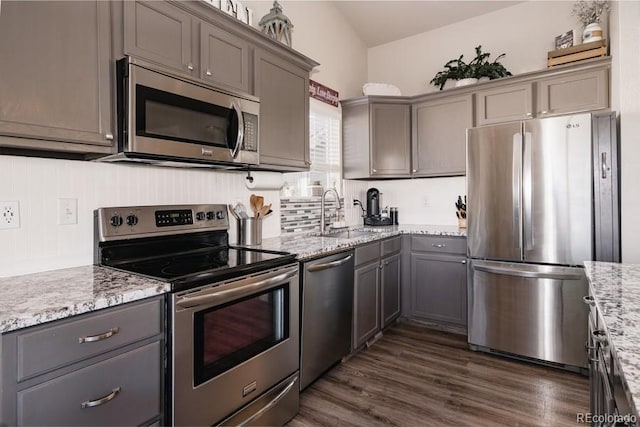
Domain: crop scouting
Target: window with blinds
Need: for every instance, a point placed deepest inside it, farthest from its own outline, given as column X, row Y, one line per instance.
column 325, row 154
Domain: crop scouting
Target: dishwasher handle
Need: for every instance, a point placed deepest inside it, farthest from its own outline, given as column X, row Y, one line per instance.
column 336, row 263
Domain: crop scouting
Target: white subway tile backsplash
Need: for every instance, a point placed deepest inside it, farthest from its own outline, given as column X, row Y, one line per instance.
column 41, row 244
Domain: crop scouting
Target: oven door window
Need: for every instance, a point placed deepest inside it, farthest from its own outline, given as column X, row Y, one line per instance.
column 173, row 117
column 228, row 335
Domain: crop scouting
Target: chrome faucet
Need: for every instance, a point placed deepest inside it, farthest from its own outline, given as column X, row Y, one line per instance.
column 322, row 216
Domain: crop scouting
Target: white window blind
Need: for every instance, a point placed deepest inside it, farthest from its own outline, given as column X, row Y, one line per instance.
column 325, row 152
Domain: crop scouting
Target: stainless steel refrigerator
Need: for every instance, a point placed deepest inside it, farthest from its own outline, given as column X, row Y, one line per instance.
column 542, row 198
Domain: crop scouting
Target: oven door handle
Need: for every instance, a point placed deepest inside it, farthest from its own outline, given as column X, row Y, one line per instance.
column 240, row 138
column 269, row 405
column 240, row 289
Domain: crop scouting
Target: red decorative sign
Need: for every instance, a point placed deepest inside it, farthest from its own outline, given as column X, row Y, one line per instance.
column 323, row 93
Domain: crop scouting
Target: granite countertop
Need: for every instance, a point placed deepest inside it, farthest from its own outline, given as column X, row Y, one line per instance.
column 307, row 246
column 37, row 298
column 616, row 289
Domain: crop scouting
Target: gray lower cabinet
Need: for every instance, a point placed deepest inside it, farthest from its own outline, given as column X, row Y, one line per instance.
column 439, row 280
column 101, row 368
column 573, row 92
column 159, row 32
column 376, row 288
column 439, row 135
column 376, row 134
column 283, row 89
column 55, row 69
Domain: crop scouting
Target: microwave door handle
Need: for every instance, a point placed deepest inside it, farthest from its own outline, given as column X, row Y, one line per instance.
column 236, row 149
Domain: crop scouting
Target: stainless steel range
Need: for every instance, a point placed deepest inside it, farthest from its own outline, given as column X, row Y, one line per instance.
column 234, row 312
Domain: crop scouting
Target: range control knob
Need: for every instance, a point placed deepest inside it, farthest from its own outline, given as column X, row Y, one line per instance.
column 210, row 215
column 200, row 216
column 132, row 220
column 220, row 214
column 116, row 220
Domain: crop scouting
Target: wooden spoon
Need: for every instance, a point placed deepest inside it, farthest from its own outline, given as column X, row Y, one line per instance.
column 264, row 210
column 253, row 204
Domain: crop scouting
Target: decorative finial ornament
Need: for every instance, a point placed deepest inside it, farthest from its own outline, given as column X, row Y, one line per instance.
column 276, row 25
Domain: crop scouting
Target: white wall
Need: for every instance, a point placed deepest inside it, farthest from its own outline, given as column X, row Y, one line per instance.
column 525, row 32
column 41, row 244
column 321, row 33
column 625, row 97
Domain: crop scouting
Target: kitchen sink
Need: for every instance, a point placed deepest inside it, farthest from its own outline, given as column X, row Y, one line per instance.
column 349, row 234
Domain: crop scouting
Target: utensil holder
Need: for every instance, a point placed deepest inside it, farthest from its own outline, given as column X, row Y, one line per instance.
column 462, row 222
column 249, row 231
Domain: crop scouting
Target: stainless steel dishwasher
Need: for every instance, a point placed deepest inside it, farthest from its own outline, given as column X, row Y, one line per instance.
column 327, row 309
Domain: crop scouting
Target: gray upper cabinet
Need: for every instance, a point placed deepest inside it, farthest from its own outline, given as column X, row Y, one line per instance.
column 504, row 104
column 55, row 88
column 573, row 92
column 439, row 135
column 376, row 138
column 283, row 89
column 159, row 32
column 224, row 58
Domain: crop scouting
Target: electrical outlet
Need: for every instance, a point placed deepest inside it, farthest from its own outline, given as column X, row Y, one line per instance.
column 9, row 215
column 67, row 211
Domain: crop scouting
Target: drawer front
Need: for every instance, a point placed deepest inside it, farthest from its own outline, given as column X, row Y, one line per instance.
column 51, row 347
column 367, row 253
column 136, row 375
column 439, row 244
column 391, row 246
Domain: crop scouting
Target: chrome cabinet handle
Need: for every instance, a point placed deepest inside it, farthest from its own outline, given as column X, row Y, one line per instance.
column 190, row 67
column 529, row 114
column 108, row 136
column 589, row 300
column 386, row 263
column 544, row 112
column 331, row 264
column 414, row 170
column 464, row 261
column 603, row 161
column 375, row 170
column 240, row 138
column 97, row 402
column 93, row 338
column 439, row 245
column 208, row 73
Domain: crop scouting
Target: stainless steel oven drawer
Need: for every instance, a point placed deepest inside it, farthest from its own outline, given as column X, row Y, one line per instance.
column 273, row 408
column 123, row 390
column 49, row 347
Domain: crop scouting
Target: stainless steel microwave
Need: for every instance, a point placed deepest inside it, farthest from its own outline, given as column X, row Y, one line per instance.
column 172, row 120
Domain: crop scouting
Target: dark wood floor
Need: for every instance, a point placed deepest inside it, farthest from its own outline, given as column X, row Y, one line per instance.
column 419, row 377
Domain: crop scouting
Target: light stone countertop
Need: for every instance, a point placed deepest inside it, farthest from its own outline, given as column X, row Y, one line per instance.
column 37, row 298
column 311, row 245
column 616, row 289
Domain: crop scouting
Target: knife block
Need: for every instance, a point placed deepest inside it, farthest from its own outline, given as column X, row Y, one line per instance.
column 462, row 222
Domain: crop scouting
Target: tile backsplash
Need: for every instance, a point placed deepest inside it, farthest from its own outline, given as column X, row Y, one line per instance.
column 302, row 214
column 42, row 244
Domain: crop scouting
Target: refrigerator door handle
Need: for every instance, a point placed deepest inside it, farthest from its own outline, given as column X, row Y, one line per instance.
column 516, row 177
column 529, row 274
column 527, row 190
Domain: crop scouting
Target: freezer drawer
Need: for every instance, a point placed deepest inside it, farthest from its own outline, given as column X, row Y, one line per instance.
column 529, row 310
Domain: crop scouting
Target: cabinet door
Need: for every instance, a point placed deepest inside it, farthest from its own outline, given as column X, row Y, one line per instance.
column 284, row 112
column 224, row 58
column 159, row 32
column 55, row 82
column 574, row 92
column 390, row 284
column 122, row 390
column 440, row 135
column 504, row 104
column 390, row 140
column 366, row 308
column 439, row 288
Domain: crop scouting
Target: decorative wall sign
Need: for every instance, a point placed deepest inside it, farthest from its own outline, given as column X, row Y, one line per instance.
column 564, row 40
column 233, row 8
column 323, row 93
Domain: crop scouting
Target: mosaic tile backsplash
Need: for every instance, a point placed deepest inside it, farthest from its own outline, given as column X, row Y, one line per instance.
column 302, row 214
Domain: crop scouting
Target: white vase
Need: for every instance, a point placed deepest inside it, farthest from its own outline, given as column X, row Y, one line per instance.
column 592, row 33
column 465, row 82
